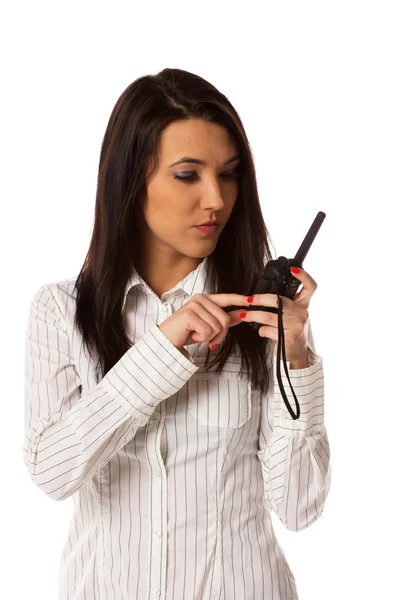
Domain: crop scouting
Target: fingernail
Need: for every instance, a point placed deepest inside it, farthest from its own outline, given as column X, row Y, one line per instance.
column 250, row 299
column 242, row 315
column 213, row 346
column 295, row 270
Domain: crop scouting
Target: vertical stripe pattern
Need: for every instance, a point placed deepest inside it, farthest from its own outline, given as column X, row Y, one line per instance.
column 173, row 470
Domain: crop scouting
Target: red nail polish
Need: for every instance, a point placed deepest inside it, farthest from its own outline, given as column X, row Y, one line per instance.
column 242, row 315
column 250, row 299
column 295, row 270
column 213, row 346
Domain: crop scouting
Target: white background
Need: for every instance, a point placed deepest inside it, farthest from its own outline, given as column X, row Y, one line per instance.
column 317, row 87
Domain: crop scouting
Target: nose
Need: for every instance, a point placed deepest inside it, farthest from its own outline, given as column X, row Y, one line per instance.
column 213, row 197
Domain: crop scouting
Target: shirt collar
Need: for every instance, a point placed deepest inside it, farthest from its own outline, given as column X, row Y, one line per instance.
column 196, row 282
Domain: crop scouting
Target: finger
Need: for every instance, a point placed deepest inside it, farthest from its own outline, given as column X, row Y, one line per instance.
column 269, row 331
column 213, row 316
column 227, row 299
column 262, row 317
column 271, row 300
column 265, row 300
column 203, row 320
column 309, row 286
column 214, row 305
column 208, row 312
column 289, row 317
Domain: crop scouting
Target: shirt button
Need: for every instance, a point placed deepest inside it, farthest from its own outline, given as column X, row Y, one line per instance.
column 156, row 592
column 157, row 533
column 157, row 473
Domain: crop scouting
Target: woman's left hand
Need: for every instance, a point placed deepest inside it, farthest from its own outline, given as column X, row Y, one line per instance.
column 294, row 317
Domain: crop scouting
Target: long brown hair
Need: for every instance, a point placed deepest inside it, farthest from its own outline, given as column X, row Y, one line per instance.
column 128, row 154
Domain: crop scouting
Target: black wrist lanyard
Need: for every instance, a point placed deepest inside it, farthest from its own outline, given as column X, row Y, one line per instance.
column 281, row 345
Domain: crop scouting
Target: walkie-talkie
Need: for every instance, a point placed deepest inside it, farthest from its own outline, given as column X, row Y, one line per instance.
column 277, row 279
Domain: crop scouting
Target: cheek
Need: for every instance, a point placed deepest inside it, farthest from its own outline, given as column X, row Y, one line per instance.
column 168, row 222
column 161, row 213
column 170, row 210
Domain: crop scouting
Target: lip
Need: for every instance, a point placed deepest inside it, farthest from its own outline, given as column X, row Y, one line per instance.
column 209, row 223
column 208, row 229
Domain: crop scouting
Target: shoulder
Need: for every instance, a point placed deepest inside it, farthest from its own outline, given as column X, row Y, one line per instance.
column 61, row 295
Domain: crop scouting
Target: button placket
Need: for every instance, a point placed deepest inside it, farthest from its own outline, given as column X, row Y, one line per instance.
column 156, row 523
column 165, row 312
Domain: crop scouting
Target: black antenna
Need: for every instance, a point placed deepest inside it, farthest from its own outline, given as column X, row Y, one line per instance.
column 308, row 240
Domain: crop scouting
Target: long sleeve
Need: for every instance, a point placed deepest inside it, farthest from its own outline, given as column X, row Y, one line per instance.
column 295, row 454
column 69, row 437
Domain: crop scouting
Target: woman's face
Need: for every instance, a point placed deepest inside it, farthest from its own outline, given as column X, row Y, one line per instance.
column 187, row 194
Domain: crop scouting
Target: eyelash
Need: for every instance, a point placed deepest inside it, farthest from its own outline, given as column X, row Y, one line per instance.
column 230, row 174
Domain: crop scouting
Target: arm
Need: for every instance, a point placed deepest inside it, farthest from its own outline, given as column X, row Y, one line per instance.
column 295, row 454
column 69, row 437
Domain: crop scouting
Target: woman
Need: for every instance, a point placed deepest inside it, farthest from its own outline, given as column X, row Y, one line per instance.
column 174, row 462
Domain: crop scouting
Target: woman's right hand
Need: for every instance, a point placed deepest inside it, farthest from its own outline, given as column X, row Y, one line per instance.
column 202, row 319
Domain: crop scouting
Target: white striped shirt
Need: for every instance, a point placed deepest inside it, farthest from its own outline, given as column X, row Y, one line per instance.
column 173, row 470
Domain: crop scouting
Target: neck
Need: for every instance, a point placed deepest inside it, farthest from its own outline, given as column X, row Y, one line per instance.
column 162, row 275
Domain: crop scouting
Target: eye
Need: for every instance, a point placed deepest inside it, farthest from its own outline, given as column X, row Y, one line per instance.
column 190, row 176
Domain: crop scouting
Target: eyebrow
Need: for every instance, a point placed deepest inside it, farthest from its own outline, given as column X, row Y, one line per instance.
column 197, row 161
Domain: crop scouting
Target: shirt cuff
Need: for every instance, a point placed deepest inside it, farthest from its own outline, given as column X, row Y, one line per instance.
column 308, row 385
